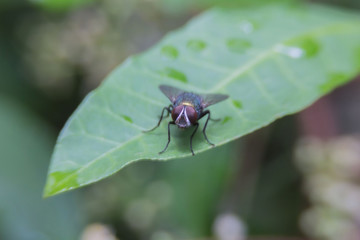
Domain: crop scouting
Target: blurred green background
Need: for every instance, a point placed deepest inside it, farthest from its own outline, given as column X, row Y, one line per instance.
column 284, row 180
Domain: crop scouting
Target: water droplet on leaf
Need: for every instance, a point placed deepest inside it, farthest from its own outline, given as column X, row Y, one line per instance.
column 238, row 45
column 247, row 27
column 226, row 119
column 237, row 104
column 127, row 118
column 169, row 52
column 175, row 74
column 293, row 52
column 309, row 47
column 196, row 45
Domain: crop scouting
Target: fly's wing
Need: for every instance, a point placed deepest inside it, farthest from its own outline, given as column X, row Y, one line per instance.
column 210, row 99
column 171, row 92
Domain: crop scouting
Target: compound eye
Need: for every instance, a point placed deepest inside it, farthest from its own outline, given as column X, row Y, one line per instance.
column 176, row 111
column 191, row 114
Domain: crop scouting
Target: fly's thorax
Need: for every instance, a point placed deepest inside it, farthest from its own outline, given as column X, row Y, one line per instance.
column 184, row 115
column 189, row 99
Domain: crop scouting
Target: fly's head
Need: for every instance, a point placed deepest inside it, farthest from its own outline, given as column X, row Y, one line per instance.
column 184, row 115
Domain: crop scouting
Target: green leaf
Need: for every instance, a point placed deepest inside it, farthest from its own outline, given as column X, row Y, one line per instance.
column 271, row 61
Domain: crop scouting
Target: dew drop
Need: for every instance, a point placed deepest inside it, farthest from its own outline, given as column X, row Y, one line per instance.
column 335, row 79
column 237, row 104
column 247, row 27
column 308, row 47
column 127, row 118
column 238, row 45
column 226, row 119
column 293, row 52
column 175, row 74
column 196, row 45
column 169, row 52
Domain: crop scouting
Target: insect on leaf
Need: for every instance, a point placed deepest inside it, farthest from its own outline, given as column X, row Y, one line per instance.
column 271, row 61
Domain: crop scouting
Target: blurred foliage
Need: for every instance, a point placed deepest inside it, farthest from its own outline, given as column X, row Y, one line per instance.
column 176, row 198
column 343, row 3
column 9, row 4
column 60, row 5
column 181, row 6
column 71, row 47
column 332, row 182
column 25, row 146
column 277, row 199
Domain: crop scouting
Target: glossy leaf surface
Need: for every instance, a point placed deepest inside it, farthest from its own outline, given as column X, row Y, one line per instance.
column 271, row 61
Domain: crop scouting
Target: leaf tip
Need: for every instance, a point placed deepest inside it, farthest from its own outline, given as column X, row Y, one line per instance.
column 60, row 181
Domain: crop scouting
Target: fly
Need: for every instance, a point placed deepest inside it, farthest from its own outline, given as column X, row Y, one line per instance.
column 186, row 109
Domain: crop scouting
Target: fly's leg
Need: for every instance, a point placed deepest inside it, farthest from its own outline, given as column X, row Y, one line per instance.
column 168, row 109
column 191, row 138
column 207, row 112
column 167, row 144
